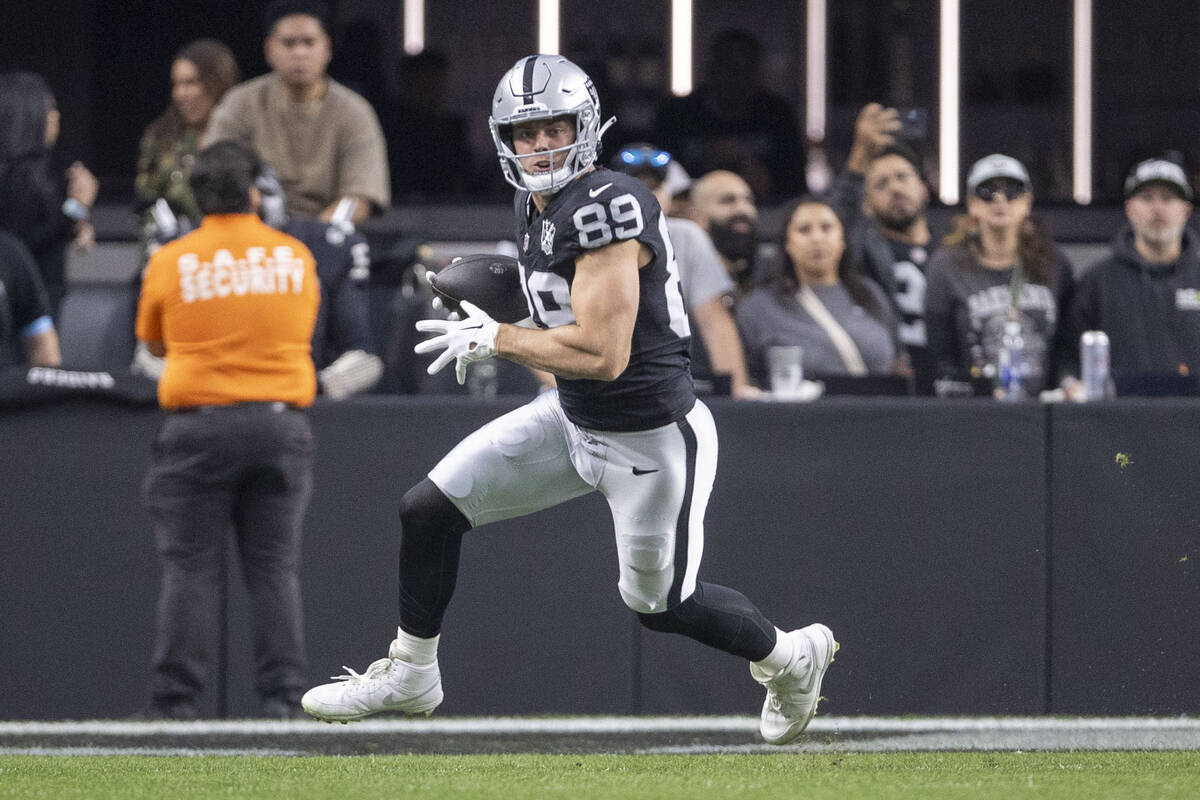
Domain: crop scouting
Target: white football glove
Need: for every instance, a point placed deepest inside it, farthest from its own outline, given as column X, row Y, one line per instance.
column 465, row 341
column 352, row 372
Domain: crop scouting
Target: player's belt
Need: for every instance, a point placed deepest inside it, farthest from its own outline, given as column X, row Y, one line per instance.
column 274, row 407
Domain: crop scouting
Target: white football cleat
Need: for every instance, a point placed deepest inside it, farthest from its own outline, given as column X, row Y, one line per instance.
column 793, row 693
column 389, row 684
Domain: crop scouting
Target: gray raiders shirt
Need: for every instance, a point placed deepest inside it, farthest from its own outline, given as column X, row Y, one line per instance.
column 966, row 306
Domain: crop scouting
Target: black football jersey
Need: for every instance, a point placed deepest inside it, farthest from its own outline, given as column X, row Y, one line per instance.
column 343, row 266
column 596, row 209
column 908, row 272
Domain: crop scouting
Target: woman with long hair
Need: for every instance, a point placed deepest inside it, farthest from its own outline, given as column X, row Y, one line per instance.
column 35, row 206
column 816, row 298
column 998, row 276
column 201, row 73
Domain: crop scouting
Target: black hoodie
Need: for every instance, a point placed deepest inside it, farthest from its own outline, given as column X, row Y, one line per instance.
column 1151, row 312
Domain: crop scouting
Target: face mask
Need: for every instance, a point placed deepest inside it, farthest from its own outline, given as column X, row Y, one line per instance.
column 735, row 244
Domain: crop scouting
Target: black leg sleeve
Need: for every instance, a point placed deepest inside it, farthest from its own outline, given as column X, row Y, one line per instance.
column 430, row 542
column 719, row 617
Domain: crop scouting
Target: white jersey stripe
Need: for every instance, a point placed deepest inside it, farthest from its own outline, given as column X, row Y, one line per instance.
column 705, row 470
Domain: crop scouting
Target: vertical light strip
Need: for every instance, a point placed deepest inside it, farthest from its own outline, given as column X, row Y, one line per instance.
column 414, row 26
column 948, row 111
column 681, row 47
column 1081, row 100
column 815, row 75
column 548, row 26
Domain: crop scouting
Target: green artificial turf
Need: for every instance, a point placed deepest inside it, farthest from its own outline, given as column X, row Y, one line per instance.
column 927, row 776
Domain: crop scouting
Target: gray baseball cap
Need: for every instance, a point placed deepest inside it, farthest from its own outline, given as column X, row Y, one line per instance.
column 997, row 166
column 1160, row 171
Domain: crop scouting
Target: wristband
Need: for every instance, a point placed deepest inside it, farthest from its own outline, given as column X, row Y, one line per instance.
column 75, row 209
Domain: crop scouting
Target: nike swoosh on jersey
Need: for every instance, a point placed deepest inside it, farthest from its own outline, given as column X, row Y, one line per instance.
column 593, row 193
column 637, row 471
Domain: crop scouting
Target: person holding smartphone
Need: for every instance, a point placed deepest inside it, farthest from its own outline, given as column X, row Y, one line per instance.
column 882, row 198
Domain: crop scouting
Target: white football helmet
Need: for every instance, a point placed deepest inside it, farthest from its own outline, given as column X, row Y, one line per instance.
column 543, row 87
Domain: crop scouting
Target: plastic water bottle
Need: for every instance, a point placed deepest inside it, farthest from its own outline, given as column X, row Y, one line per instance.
column 1094, row 369
column 1010, row 363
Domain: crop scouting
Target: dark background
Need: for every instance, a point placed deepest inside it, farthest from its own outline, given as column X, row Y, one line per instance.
column 108, row 60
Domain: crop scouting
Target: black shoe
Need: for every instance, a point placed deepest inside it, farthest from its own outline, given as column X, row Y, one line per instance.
column 160, row 709
column 282, row 707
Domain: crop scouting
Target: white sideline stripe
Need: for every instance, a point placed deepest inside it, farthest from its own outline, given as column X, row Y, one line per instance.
column 144, row 751
column 591, row 725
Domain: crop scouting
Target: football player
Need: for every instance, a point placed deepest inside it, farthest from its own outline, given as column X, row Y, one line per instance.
column 602, row 286
column 343, row 349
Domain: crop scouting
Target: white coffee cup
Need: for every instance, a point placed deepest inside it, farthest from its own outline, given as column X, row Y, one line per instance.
column 786, row 366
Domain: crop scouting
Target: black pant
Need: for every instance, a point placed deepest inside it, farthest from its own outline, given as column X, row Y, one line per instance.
column 247, row 469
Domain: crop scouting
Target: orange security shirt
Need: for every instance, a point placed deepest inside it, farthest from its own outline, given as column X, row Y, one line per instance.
column 234, row 303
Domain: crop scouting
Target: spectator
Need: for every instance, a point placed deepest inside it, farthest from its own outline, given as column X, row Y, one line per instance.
column 428, row 149
column 882, row 197
column 201, row 73
column 816, row 299
column 733, row 121
column 1146, row 294
column 723, row 205
column 27, row 334
column 706, row 284
column 998, row 265
column 34, row 205
column 232, row 307
column 678, row 192
column 343, row 348
column 322, row 139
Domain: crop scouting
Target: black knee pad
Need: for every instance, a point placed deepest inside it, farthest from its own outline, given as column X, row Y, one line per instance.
column 425, row 510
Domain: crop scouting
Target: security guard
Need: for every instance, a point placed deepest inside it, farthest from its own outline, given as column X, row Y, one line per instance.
column 232, row 307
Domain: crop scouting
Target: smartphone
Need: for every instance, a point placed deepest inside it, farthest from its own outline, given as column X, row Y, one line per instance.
column 914, row 123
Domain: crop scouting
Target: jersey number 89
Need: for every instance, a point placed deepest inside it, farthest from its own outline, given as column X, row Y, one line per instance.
column 592, row 221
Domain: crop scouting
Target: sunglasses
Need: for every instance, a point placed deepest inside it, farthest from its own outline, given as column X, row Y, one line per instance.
column 987, row 192
column 644, row 156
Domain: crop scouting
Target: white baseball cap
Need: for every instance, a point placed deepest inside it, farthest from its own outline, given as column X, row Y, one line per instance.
column 1160, row 171
column 677, row 179
column 997, row 166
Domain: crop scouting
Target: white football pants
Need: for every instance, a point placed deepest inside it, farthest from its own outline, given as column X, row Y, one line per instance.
column 657, row 483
